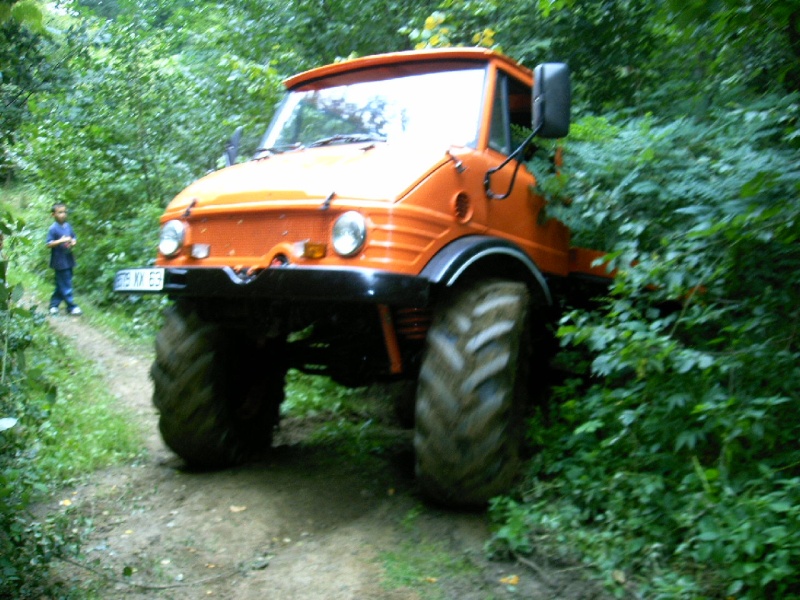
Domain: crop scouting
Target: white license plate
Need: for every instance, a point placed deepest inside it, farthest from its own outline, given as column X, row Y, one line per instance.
column 139, row 280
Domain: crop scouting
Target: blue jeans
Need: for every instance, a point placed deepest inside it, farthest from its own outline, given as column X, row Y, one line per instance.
column 63, row 291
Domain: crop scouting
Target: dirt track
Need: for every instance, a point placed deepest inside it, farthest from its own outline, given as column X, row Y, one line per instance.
column 303, row 523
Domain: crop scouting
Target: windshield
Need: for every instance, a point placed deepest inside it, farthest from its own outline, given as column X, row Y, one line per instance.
column 439, row 107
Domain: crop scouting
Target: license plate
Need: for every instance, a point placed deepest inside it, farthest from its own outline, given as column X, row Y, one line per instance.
column 139, row 280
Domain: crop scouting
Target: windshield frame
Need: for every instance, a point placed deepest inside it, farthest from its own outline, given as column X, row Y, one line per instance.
column 368, row 76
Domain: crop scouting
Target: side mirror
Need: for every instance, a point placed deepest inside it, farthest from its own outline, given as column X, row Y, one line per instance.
column 551, row 100
column 232, row 148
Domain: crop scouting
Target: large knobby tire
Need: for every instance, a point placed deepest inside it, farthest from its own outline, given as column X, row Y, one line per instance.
column 218, row 393
column 471, row 394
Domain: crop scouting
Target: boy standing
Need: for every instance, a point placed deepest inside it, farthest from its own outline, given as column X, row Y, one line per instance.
column 61, row 240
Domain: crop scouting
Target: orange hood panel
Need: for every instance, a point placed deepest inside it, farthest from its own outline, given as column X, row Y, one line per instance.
column 379, row 172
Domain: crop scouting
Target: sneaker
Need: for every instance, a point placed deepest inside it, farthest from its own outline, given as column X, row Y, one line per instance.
column 53, row 310
column 76, row 312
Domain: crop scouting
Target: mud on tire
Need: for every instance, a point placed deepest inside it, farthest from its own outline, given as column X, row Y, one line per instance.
column 471, row 394
column 217, row 392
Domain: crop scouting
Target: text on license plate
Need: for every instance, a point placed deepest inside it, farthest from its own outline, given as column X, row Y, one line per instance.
column 139, row 280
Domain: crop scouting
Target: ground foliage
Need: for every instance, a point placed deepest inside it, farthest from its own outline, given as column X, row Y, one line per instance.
column 28, row 542
column 669, row 460
column 55, row 425
column 674, row 450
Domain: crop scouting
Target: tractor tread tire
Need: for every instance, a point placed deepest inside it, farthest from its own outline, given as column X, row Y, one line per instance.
column 197, row 418
column 471, row 394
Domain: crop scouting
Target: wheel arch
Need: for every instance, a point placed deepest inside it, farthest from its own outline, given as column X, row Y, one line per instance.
column 480, row 256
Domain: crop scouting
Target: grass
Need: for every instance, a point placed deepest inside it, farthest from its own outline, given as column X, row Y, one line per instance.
column 85, row 429
column 344, row 423
column 311, row 396
column 81, row 427
column 68, row 426
column 423, row 565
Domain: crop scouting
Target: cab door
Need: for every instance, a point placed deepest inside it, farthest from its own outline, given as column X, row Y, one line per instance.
column 516, row 212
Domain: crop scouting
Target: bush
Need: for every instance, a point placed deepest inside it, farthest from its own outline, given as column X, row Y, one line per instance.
column 27, row 543
column 55, row 425
column 673, row 456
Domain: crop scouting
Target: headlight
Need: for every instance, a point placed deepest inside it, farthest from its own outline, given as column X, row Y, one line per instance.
column 171, row 240
column 349, row 233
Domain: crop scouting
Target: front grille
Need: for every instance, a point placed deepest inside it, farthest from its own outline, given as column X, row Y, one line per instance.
column 254, row 234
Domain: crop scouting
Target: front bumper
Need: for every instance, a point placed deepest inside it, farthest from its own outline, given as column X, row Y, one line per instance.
column 290, row 283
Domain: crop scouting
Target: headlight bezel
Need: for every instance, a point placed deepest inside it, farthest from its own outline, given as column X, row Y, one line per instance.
column 349, row 233
column 171, row 238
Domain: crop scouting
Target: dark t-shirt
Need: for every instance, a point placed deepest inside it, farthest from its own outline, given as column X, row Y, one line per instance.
column 60, row 256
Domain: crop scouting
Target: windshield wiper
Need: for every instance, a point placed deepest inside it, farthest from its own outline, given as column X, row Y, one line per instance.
column 347, row 138
column 266, row 152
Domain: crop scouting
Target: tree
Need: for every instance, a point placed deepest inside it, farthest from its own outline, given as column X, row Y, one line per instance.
column 146, row 112
column 26, row 66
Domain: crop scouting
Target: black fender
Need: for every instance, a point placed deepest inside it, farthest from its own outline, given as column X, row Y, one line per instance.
column 489, row 255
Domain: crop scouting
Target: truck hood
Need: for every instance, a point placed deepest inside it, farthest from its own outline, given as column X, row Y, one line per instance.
column 376, row 172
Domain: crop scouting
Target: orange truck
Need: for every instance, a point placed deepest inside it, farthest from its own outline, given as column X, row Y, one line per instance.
column 386, row 228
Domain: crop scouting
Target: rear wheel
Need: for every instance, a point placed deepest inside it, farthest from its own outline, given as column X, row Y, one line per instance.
column 471, row 394
column 218, row 392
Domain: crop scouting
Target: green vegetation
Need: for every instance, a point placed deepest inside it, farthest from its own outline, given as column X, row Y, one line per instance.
column 423, row 565
column 426, row 567
column 356, row 423
column 308, row 396
column 668, row 461
column 673, row 450
column 57, row 423
column 84, row 430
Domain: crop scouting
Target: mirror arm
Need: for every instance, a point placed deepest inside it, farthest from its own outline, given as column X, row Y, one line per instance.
column 487, row 183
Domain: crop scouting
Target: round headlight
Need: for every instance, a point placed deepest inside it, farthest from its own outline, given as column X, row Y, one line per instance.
column 171, row 240
column 349, row 233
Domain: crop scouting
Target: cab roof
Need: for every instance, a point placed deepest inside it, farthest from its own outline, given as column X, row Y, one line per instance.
column 408, row 57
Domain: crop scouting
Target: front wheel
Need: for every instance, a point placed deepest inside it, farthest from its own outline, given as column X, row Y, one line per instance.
column 471, row 394
column 218, row 392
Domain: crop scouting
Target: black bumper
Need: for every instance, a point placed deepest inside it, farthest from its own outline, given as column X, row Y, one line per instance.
column 299, row 284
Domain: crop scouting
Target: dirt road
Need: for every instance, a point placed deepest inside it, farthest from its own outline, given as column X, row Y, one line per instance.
column 303, row 523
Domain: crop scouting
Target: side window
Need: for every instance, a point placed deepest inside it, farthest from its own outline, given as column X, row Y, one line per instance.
column 520, row 97
column 511, row 114
column 500, row 133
